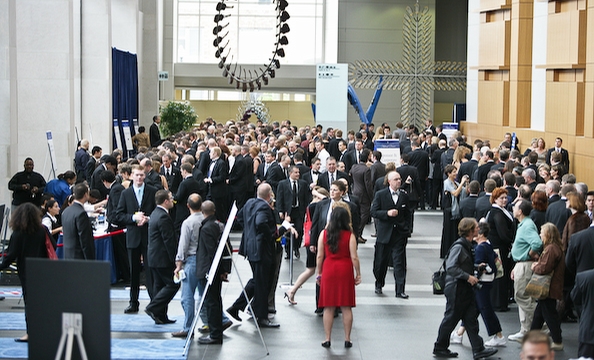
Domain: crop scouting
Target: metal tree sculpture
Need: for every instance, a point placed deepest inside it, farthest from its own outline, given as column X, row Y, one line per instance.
column 253, row 106
column 417, row 74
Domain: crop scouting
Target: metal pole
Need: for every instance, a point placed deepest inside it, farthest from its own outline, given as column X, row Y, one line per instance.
column 291, row 260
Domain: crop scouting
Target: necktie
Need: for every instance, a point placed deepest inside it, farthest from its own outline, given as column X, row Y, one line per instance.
column 331, row 178
column 139, row 196
column 358, row 154
column 295, row 204
column 286, row 173
column 316, row 172
column 266, row 169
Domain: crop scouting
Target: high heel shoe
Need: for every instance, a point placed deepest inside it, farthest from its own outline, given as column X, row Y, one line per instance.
column 291, row 301
column 348, row 344
column 326, row 344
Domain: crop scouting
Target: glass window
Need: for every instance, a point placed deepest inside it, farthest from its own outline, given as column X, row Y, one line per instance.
column 249, row 33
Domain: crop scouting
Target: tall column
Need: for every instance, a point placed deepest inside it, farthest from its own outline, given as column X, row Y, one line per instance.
column 520, row 70
column 148, row 91
column 169, row 51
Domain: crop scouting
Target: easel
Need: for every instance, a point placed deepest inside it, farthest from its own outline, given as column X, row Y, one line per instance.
column 290, row 283
column 51, row 153
column 212, row 273
column 71, row 327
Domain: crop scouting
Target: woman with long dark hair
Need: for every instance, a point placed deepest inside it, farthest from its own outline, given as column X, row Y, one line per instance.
column 451, row 208
column 50, row 219
column 337, row 256
column 27, row 241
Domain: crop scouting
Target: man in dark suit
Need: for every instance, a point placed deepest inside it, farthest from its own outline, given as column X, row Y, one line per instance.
column 333, row 148
column 362, row 188
column 557, row 212
column 81, row 158
column 332, row 174
column 258, row 246
column 154, row 132
column 298, row 161
column 120, row 253
column 468, row 204
column 582, row 298
column 204, row 158
column 482, row 171
column 237, row 184
column 109, row 163
column 390, row 208
column 188, row 186
column 483, row 203
column 419, row 158
column 172, row 174
column 162, row 248
column 469, row 167
column 79, row 243
column 249, row 173
column 410, row 183
column 135, row 204
column 208, row 242
column 580, row 252
column 564, row 154
column 278, row 172
column 96, row 153
column 292, row 198
column 152, row 178
column 312, row 176
column 216, row 180
column 378, row 169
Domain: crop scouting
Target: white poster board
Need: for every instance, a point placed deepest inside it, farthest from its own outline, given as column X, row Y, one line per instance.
column 390, row 149
column 331, row 95
column 449, row 128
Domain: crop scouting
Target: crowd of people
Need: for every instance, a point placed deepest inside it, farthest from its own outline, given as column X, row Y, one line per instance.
column 519, row 213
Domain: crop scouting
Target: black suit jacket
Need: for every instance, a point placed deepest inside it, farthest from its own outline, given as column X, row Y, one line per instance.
column 580, row 252
column 482, row 206
column 349, row 159
column 96, row 182
column 378, row 170
column 219, row 175
column 284, row 196
column 324, row 179
column 382, row 202
column 303, row 169
column 162, row 243
column 468, row 206
column 482, row 172
column 153, row 179
column 413, row 189
column 419, row 158
column 186, row 188
column 258, row 240
column 78, row 233
column 274, row 175
column 583, row 297
column 362, row 182
column 174, row 179
column 237, row 175
column 128, row 205
column 558, row 213
column 155, row 135
column 320, row 214
column 208, row 242
column 467, row 168
column 204, row 161
column 112, row 202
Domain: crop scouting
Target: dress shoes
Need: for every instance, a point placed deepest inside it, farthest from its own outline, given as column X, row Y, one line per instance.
column 179, row 334
column 297, row 254
column 402, row 295
column 326, row 344
column 156, row 319
column 227, row 325
column 234, row 313
column 2, row 298
column 378, row 290
column 485, row 353
column 361, row 240
column 447, row 353
column 268, row 324
column 207, row 340
column 168, row 321
column 131, row 309
column 286, row 256
column 348, row 344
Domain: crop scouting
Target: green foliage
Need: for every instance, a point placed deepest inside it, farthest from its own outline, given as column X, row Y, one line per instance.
column 176, row 117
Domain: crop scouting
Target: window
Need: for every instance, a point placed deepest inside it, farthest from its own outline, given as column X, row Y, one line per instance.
column 251, row 31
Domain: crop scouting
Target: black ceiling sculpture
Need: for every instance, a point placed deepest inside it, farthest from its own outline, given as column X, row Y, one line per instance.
column 253, row 78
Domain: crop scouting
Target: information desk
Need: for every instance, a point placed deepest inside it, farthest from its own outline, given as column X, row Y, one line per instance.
column 103, row 248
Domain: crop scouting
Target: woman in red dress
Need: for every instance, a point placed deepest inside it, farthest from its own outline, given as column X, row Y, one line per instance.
column 337, row 256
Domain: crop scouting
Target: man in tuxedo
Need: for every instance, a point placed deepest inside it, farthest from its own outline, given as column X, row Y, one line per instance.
column 378, row 169
column 366, row 139
column 110, row 163
column 120, row 253
column 162, row 248
column 278, row 172
column 582, row 298
column 292, row 198
column 410, row 183
column 258, row 246
column 79, row 243
column 236, row 181
column 188, row 186
column 171, row 173
column 216, row 180
column 557, row 212
column 332, row 174
column 96, row 153
column 154, row 132
column 204, row 158
column 362, row 189
column 482, row 171
column 134, row 207
column 298, row 161
column 333, row 147
column 559, row 149
column 248, row 177
column 390, row 208
column 580, row 252
column 312, row 176
column 483, row 203
column 469, row 167
column 269, row 161
column 590, row 204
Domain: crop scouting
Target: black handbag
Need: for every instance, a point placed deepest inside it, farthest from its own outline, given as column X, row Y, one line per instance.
column 438, row 280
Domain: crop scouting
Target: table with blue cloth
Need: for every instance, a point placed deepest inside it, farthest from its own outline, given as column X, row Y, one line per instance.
column 103, row 249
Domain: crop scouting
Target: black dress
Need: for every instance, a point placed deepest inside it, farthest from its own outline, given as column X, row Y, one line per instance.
column 501, row 237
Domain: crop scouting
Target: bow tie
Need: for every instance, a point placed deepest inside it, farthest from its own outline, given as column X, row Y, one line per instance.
column 316, row 172
column 394, row 193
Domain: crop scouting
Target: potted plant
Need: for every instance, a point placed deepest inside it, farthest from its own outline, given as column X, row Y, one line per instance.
column 177, row 116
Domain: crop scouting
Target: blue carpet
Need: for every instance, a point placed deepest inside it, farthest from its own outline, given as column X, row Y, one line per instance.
column 121, row 349
column 11, row 292
column 119, row 323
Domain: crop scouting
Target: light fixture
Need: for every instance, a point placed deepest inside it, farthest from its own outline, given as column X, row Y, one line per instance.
column 257, row 78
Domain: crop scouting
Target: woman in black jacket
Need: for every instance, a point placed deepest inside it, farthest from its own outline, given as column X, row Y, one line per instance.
column 501, row 237
column 27, row 241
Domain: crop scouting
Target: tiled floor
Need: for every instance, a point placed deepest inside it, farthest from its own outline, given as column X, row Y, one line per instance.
column 384, row 327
